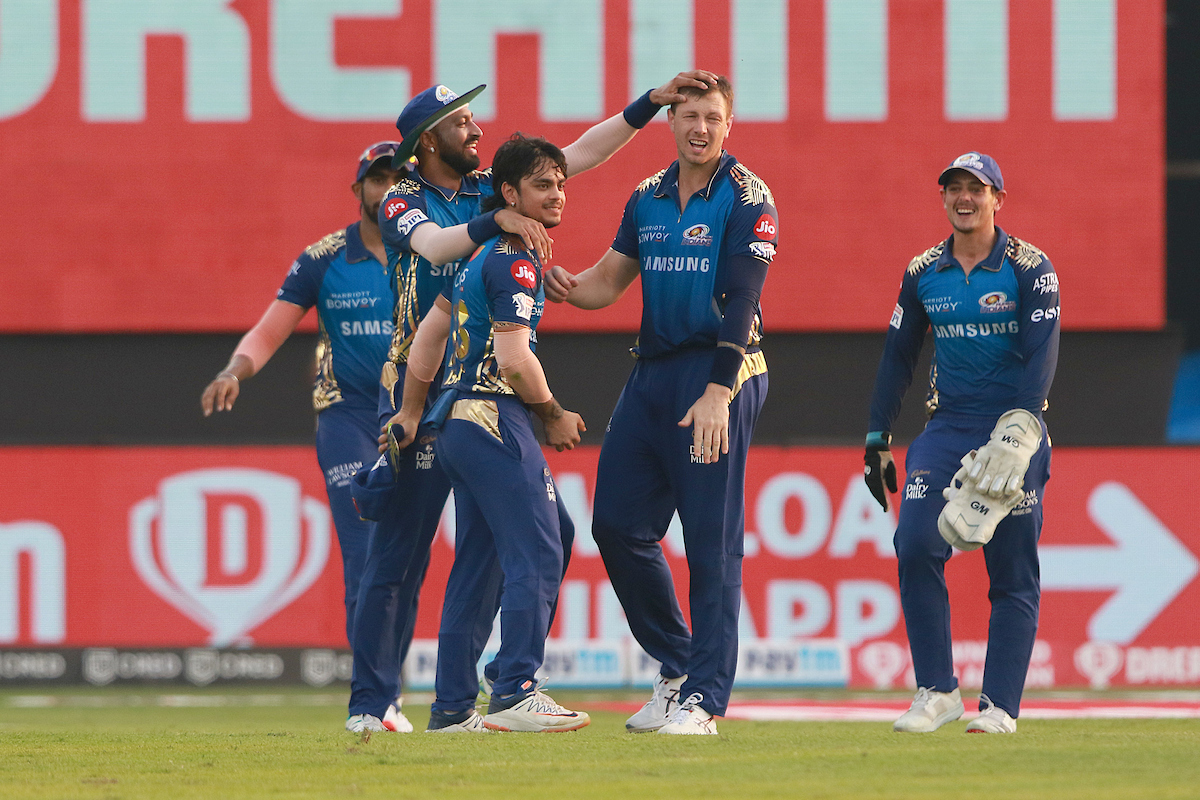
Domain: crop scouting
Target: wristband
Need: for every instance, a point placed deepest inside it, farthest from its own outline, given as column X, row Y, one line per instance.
column 726, row 364
column 483, row 227
column 879, row 440
column 640, row 111
column 230, row 374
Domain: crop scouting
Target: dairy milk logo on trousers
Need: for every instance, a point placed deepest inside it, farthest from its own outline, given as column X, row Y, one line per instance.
column 229, row 547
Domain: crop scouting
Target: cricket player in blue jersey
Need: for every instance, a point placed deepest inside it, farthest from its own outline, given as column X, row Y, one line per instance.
column 701, row 234
column 345, row 277
column 429, row 220
column 976, row 474
column 506, row 504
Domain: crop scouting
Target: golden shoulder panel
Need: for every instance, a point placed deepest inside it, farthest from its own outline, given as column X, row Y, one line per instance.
column 328, row 245
column 407, row 186
column 1023, row 254
column 504, row 248
column 653, row 180
column 927, row 258
column 754, row 189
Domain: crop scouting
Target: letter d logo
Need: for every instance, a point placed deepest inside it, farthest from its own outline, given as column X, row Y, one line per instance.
column 229, row 547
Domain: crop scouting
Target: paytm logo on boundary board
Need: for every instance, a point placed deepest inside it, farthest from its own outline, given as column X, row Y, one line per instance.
column 571, row 37
column 229, row 547
column 43, row 544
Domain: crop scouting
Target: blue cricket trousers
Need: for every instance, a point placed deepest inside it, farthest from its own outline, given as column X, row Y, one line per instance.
column 510, row 549
column 346, row 438
column 395, row 564
column 1011, row 557
column 646, row 473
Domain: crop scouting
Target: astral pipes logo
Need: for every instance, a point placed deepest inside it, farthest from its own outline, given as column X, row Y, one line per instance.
column 229, row 547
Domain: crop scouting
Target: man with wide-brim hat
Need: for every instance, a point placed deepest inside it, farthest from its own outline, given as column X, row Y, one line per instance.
column 429, row 220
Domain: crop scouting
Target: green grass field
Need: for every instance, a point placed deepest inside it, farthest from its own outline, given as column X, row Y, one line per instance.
column 122, row 743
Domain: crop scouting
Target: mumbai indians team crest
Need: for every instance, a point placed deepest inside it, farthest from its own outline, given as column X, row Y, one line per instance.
column 444, row 95
column 995, row 303
column 550, row 493
column 698, row 235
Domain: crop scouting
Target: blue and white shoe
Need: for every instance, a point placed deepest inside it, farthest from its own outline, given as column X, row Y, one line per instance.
column 469, row 722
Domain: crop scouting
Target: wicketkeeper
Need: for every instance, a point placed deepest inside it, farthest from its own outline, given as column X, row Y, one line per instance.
column 975, row 475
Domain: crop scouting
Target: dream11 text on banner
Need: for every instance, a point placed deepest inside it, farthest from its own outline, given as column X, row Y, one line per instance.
column 200, row 145
column 233, row 547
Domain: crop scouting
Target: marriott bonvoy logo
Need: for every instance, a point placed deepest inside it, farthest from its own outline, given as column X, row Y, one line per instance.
column 229, row 547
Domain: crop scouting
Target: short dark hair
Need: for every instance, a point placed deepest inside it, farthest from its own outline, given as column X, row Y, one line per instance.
column 723, row 87
column 520, row 157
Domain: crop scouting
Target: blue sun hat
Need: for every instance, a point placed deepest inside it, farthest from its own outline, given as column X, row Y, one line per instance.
column 423, row 112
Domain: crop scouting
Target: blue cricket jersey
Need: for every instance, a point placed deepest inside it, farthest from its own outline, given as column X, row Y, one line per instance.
column 501, row 282
column 352, row 294
column 416, row 282
column 995, row 332
column 685, row 256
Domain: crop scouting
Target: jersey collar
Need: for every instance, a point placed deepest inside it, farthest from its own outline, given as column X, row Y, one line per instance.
column 469, row 185
column 992, row 263
column 669, row 185
column 356, row 251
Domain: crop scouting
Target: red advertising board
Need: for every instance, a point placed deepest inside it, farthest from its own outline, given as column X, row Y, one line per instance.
column 164, row 162
column 233, row 547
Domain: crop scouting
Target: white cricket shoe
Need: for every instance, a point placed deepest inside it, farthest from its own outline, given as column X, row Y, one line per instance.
column 364, row 722
column 536, row 712
column 440, row 723
column 993, row 719
column 929, row 711
column 659, row 708
column 690, row 718
column 394, row 719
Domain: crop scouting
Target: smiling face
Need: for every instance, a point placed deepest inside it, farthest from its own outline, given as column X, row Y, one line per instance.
column 970, row 204
column 700, row 125
column 457, row 141
column 540, row 195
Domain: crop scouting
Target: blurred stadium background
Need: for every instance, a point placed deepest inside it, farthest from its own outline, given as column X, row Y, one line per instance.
column 163, row 161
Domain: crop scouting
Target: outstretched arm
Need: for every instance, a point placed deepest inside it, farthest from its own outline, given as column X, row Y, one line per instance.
column 252, row 353
column 598, row 287
column 601, row 141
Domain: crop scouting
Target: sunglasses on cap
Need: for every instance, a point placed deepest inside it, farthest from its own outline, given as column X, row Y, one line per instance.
column 374, row 153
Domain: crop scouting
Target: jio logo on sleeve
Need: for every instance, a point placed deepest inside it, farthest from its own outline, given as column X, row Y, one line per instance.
column 229, row 547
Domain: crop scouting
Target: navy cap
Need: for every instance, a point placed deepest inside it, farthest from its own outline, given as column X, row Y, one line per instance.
column 373, row 490
column 423, row 112
column 372, row 154
column 981, row 166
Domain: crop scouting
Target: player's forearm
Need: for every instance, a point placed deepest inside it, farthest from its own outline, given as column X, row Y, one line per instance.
column 601, row 141
column 520, row 367
column 264, row 339
column 442, row 245
column 599, row 287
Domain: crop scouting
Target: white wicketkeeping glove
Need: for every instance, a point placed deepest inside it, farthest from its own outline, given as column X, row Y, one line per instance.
column 1000, row 465
column 969, row 518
